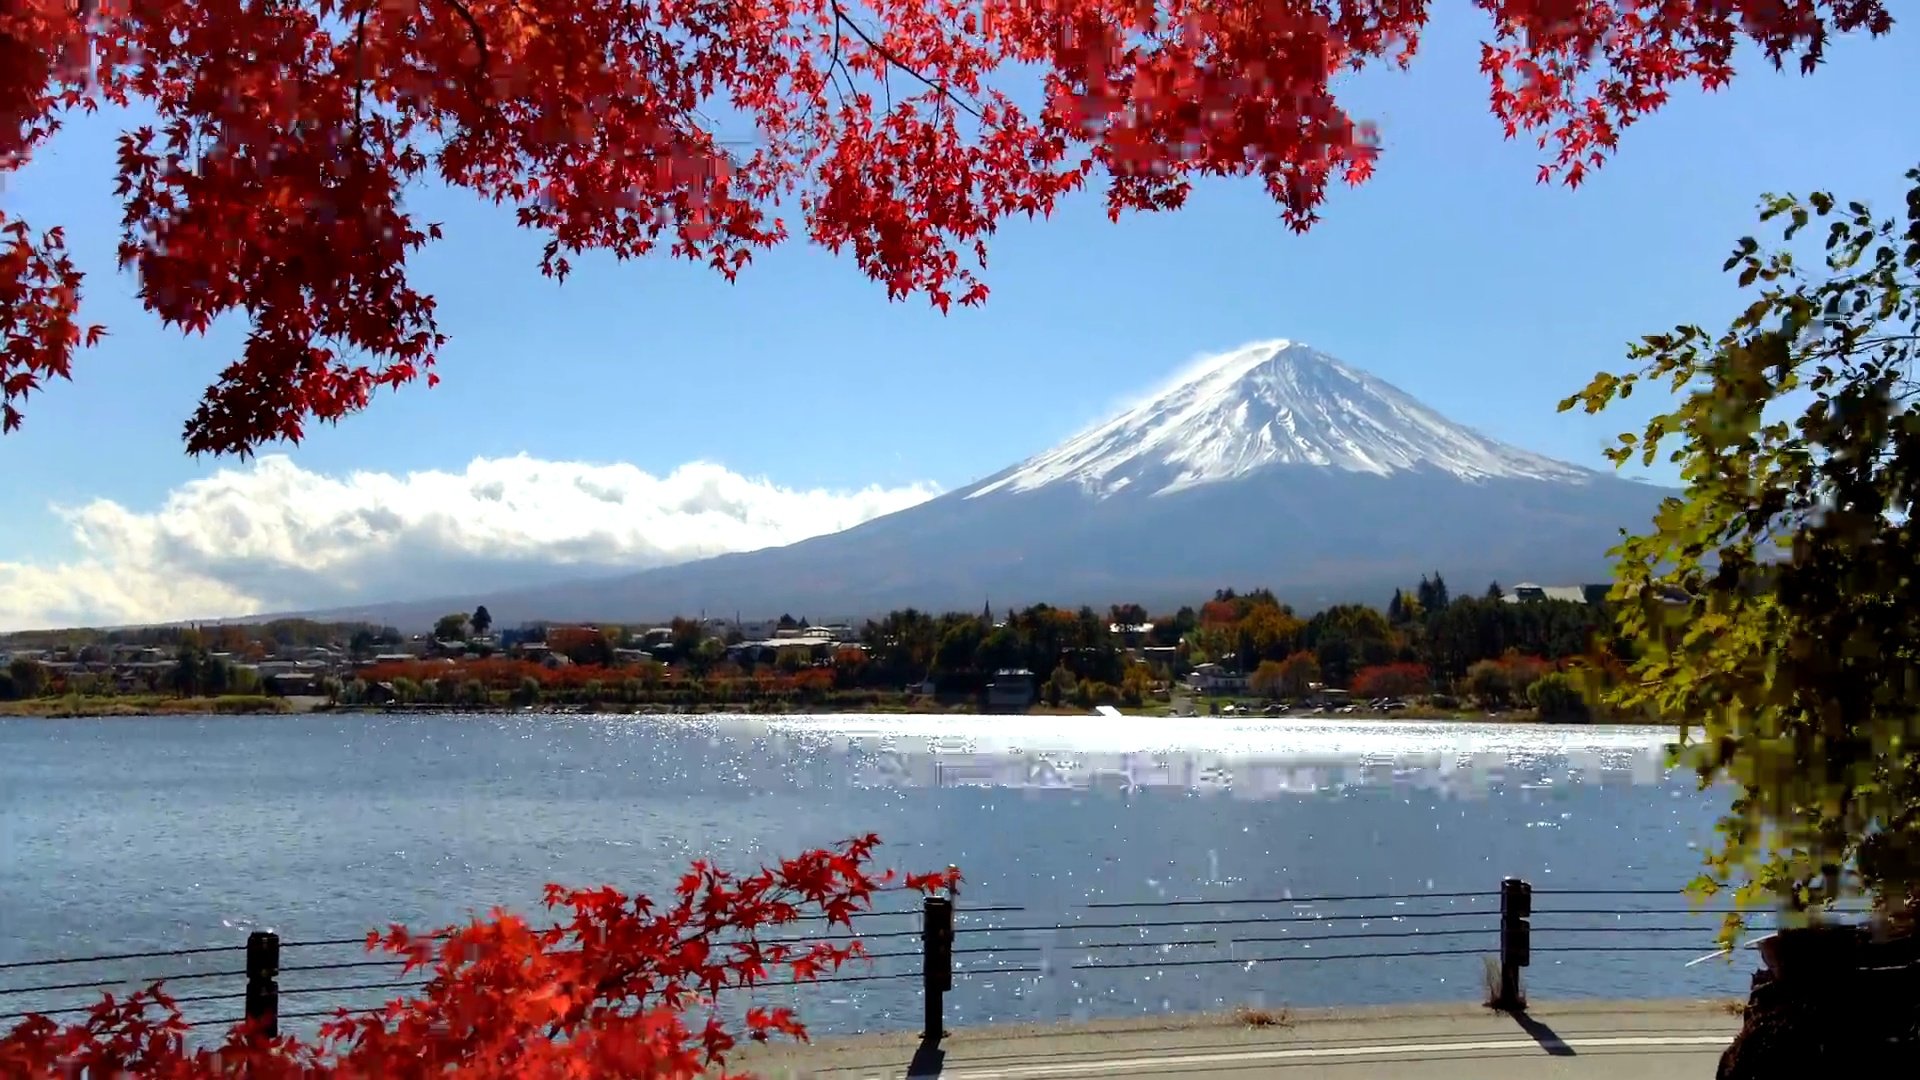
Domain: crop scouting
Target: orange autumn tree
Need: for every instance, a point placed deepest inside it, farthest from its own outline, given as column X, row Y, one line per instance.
column 604, row 992
column 270, row 178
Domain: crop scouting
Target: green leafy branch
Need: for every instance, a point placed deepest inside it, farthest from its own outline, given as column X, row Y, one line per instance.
column 1795, row 650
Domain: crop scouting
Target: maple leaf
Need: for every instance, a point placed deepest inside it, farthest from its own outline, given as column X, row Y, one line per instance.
column 272, row 189
column 508, row 1000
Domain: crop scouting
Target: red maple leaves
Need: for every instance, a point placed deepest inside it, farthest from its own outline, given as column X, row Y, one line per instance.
column 605, row 992
column 906, row 131
column 1578, row 72
column 39, row 295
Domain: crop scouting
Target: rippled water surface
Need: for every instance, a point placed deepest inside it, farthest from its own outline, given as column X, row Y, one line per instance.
column 129, row 834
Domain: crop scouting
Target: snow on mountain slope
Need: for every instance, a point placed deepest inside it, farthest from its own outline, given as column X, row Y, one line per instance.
column 1265, row 404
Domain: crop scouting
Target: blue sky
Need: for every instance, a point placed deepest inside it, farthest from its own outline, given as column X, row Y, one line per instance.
column 1451, row 274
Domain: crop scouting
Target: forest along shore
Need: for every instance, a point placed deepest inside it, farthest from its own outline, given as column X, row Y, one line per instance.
column 264, row 706
column 1505, row 655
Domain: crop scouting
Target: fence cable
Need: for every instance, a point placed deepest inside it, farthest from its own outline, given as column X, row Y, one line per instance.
column 1262, row 921
column 15, row 964
column 1298, row 901
column 50, row 987
column 1274, row 959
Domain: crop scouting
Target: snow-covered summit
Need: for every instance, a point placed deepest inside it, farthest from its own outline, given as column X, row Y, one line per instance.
column 1265, row 404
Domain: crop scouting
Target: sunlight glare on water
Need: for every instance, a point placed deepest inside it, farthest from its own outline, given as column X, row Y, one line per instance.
column 147, row 833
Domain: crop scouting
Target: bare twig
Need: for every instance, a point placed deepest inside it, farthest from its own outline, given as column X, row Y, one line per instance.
column 837, row 64
column 840, row 16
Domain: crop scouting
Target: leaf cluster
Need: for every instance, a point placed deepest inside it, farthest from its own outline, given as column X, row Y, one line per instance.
column 1793, row 665
column 604, row 991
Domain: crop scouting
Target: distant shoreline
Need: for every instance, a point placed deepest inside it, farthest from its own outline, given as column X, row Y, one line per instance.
column 99, row 708
column 131, row 705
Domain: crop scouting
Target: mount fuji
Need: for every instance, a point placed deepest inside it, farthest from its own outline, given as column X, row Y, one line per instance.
column 1266, row 405
column 1271, row 465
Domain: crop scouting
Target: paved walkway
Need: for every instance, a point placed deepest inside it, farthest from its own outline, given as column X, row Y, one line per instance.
column 1667, row 1040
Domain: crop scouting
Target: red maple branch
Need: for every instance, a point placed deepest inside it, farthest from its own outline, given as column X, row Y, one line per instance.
column 586, row 116
column 607, row 991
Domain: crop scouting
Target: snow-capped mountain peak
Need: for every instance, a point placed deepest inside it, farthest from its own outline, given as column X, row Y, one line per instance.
column 1266, row 404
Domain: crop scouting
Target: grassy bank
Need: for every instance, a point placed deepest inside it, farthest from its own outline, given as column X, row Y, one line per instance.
column 75, row 705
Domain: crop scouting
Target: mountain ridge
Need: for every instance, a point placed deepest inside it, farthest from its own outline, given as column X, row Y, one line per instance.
column 1270, row 465
column 1274, row 402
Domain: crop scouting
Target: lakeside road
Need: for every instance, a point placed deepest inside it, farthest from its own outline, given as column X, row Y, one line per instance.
column 1652, row 1040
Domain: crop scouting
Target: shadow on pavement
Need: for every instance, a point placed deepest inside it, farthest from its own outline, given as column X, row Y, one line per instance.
column 927, row 1058
column 1542, row 1034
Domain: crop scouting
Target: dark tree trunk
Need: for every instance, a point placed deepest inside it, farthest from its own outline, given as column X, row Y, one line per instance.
column 1830, row 997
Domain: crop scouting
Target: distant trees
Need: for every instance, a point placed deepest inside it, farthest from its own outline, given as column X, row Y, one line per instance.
column 1558, row 699
column 225, row 637
column 451, row 627
column 1268, row 680
column 1171, row 629
column 1476, row 629
column 1299, row 673
column 198, row 673
column 1400, row 650
column 706, row 655
column 1347, row 637
column 1243, row 630
column 848, row 664
column 687, row 636
column 24, row 678
column 189, row 671
column 959, row 645
column 1404, row 650
column 1488, row 683
column 1404, row 610
column 1061, row 686
column 481, row 620
column 1392, row 680
column 1477, row 648
column 1506, row 680
column 527, row 692
column 587, row 645
column 1266, row 632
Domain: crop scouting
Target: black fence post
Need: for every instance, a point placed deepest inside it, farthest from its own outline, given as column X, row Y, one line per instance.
column 263, row 982
column 1516, row 939
column 936, row 962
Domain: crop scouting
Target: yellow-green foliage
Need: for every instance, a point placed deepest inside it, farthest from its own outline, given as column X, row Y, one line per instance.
column 1775, row 601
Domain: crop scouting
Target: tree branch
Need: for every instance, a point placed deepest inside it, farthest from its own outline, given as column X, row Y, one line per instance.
column 840, row 17
column 485, row 68
column 479, row 34
column 359, row 78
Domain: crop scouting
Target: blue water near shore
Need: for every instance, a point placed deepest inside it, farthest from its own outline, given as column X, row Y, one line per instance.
column 124, row 835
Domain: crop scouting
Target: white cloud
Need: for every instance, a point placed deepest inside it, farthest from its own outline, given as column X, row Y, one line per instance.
column 276, row 537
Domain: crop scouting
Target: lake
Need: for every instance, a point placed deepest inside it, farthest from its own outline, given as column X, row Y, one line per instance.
column 133, row 834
